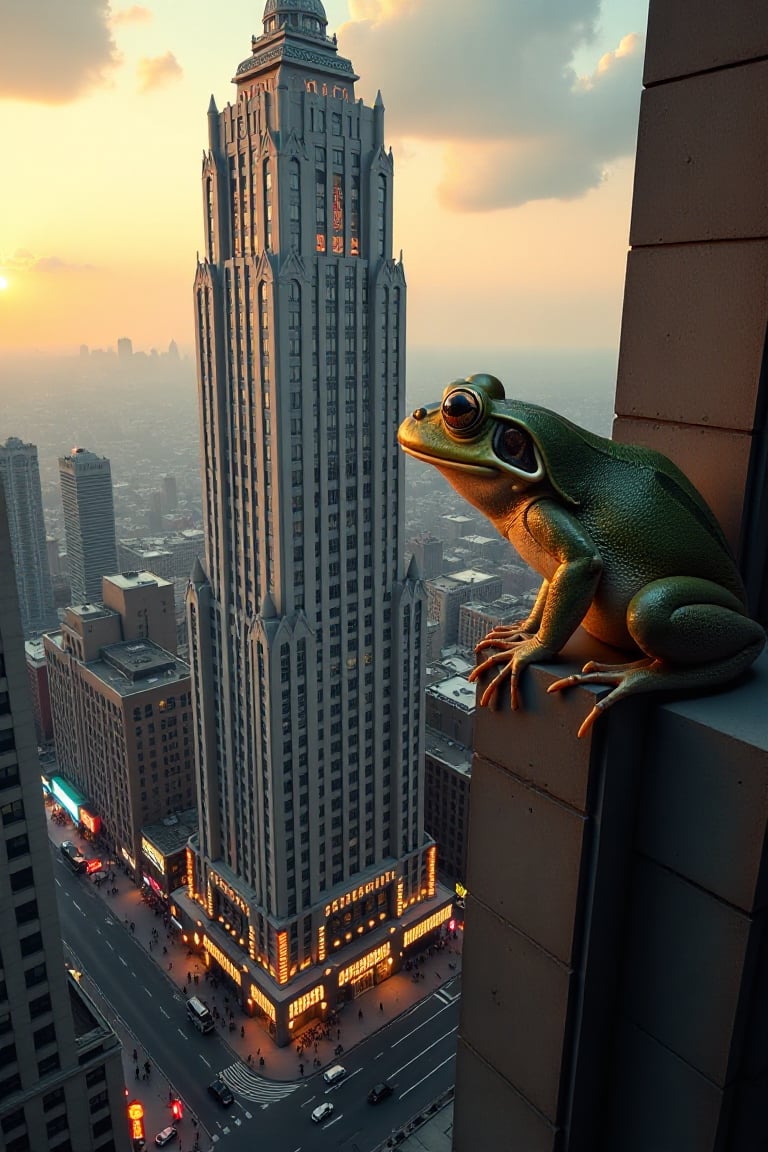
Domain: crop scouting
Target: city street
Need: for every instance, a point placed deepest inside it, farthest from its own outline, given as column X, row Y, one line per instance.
column 403, row 1031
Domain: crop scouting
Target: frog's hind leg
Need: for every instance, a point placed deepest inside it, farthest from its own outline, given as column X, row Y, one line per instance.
column 654, row 675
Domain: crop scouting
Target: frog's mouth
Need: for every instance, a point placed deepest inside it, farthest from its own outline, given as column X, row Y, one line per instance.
column 454, row 465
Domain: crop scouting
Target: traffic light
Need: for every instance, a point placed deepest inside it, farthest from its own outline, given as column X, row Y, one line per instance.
column 177, row 1109
column 452, row 925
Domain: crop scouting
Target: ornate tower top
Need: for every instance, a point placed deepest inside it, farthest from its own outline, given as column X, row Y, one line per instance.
column 295, row 34
column 307, row 16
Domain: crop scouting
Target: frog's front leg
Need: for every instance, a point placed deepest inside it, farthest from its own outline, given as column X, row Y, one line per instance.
column 560, row 606
column 695, row 635
column 508, row 636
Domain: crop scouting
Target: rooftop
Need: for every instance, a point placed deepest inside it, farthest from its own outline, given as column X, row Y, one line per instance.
column 457, row 690
column 437, row 744
column 127, row 580
column 91, row 611
column 171, row 834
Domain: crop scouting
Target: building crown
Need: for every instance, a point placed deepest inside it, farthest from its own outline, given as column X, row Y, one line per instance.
column 306, row 16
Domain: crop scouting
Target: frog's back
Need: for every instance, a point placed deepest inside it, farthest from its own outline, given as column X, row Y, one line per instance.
column 635, row 495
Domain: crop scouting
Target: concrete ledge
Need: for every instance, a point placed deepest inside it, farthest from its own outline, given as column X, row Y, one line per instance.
column 617, row 929
column 658, row 1103
column 693, row 333
column 533, row 882
column 725, row 34
column 702, row 159
column 686, row 966
column 514, row 1006
column 507, row 1121
column 703, row 809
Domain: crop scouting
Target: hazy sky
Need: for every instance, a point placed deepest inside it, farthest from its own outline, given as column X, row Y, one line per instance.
column 512, row 123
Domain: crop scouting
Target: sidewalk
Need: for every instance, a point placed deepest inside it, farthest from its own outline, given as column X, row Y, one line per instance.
column 356, row 1021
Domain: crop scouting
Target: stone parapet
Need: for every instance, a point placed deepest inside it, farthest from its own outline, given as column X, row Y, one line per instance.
column 613, row 991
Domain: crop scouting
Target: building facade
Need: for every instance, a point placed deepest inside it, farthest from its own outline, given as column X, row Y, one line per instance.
column 477, row 620
column 311, row 876
column 20, row 476
column 37, row 674
column 61, row 1076
column 122, row 712
column 428, row 553
column 89, row 522
column 446, row 594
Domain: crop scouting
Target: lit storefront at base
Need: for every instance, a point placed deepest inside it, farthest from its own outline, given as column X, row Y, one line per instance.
column 359, row 941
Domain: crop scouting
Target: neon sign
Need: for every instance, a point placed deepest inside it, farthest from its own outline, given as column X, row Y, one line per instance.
column 364, row 964
column 428, row 925
column 153, row 855
column 358, row 893
column 266, row 1005
column 222, row 960
column 301, row 1003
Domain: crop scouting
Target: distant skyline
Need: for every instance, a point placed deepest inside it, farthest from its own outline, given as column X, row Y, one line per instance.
column 105, row 121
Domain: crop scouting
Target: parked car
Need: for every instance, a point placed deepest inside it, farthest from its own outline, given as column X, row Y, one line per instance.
column 219, row 1090
column 331, row 1075
column 379, row 1092
column 322, row 1112
column 167, row 1136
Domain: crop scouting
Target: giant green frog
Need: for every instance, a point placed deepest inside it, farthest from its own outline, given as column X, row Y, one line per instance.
column 626, row 545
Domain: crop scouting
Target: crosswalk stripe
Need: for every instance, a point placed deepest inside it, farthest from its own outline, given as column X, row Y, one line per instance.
column 245, row 1083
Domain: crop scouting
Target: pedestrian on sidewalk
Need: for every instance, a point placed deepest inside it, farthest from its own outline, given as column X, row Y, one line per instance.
column 381, row 1006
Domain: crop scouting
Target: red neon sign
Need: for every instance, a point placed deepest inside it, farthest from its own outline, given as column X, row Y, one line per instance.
column 136, row 1119
column 92, row 866
column 91, row 822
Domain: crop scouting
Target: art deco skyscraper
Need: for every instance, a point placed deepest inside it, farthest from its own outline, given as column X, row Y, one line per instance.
column 312, row 875
column 61, row 1075
column 89, row 522
column 20, row 475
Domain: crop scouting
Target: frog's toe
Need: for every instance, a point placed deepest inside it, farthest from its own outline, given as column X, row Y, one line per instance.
column 490, row 693
column 596, row 666
column 487, row 664
column 589, row 720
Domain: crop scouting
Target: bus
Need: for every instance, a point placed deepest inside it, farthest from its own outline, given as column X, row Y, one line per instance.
column 73, row 856
column 199, row 1015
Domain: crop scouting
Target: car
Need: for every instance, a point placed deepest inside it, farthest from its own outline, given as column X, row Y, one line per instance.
column 379, row 1092
column 331, row 1075
column 167, row 1136
column 322, row 1112
column 219, row 1090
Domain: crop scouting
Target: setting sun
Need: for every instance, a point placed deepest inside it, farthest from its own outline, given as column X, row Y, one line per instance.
column 3, row 283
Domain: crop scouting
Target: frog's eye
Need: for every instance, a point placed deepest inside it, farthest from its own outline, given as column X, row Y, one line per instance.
column 514, row 445
column 463, row 412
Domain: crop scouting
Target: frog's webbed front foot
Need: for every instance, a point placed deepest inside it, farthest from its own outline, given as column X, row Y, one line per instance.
column 516, row 653
column 506, row 635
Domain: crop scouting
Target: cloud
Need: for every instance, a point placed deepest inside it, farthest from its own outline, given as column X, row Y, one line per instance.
column 136, row 14
column 53, row 52
column 516, row 121
column 25, row 261
column 158, row 71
